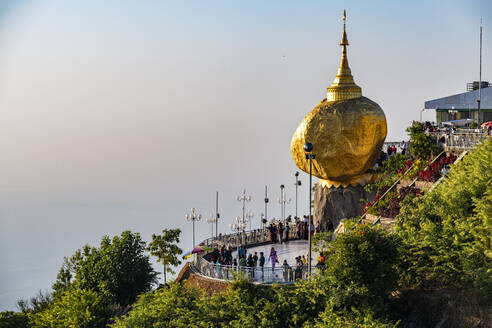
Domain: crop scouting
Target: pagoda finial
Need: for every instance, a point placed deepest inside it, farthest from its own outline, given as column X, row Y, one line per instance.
column 343, row 87
column 344, row 41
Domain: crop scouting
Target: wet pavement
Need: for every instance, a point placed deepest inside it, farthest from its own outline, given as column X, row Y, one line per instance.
column 285, row 251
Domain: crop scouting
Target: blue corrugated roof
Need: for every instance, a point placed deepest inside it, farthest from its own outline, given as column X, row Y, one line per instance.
column 463, row 100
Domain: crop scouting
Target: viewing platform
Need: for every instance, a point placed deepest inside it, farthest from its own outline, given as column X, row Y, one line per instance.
column 459, row 140
column 254, row 241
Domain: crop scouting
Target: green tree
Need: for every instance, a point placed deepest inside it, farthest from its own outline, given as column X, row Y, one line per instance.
column 322, row 240
column 174, row 306
column 165, row 249
column 361, row 268
column 36, row 303
column 75, row 308
column 10, row 319
column 421, row 145
column 446, row 234
column 118, row 266
column 353, row 289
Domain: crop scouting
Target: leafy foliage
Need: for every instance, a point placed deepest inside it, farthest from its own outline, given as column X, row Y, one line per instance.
column 117, row 266
column 353, row 289
column 75, row 308
column 36, row 303
column 391, row 167
column 321, row 241
column 421, row 145
column 10, row 319
column 442, row 237
column 446, row 235
column 165, row 248
column 362, row 269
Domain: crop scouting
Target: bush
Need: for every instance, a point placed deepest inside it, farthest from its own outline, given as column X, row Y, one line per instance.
column 10, row 319
column 75, row 308
column 353, row 289
column 362, row 269
column 36, row 303
column 119, row 265
column 421, row 145
column 446, row 234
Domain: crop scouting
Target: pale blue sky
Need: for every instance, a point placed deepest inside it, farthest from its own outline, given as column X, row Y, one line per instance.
column 124, row 114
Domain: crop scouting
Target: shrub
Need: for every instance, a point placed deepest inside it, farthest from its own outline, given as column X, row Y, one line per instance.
column 362, row 269
column 118, row 264
column 446, row 234
column 10, row 319
column 422, row 146
column 75, row 308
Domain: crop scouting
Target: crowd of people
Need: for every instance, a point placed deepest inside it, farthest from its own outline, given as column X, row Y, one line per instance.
column 393, row 149
column 254, row 263
column 280, row 232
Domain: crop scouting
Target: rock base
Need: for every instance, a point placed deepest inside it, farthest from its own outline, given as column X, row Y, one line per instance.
column 339, row 203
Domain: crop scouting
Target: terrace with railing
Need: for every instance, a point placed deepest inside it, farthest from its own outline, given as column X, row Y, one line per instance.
column 203, row 264
column 461, row 139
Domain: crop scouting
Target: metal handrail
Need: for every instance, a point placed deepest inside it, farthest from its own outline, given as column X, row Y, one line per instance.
column 482, row 136
column 378, row 219
column 386, row 192
column 252, row 237
column 260, row 275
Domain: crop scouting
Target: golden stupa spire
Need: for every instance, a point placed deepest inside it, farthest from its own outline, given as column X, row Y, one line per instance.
column 343, row 87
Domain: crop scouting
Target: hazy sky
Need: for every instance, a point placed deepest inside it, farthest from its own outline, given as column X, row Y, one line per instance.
column 122, row 115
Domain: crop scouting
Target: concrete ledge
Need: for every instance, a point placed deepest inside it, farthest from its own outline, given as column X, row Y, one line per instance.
column 210, row 285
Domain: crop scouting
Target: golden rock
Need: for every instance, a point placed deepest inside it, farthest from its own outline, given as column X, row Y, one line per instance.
column 346, row 129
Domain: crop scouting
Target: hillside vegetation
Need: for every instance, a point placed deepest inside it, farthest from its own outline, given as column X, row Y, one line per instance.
column 435, row 269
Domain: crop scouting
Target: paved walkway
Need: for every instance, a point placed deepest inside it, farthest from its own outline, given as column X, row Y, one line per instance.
column 286, row 251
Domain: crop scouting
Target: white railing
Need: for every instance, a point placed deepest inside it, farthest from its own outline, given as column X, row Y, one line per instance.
column 265, row 275
column 462, row 139
column 251, row 237
column 262, row 275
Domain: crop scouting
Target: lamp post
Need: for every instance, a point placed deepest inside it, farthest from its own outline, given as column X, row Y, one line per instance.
column 242, row 221
column 243, row 198
column 308, row 148
column 217, row 215
column 211, row 220
column 237, row 227
column 282, row 201
column 193, row 216
column 479, row 79
column 249, row 217
column 298, row 183
column 266, row 208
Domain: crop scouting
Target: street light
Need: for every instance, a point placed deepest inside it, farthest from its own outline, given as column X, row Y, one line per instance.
column 212, row 219
column 308, row 148
column 264, row 218
column 193, row 216
column 249, row 217
column 297, row 184
column 282, row 201
column 243, row 198
column 237, row 228
column 241, row 221
column 217, row 215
